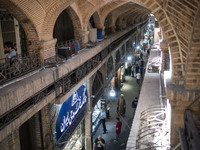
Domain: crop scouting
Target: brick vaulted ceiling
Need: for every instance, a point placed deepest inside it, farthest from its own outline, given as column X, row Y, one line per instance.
column 178, row 19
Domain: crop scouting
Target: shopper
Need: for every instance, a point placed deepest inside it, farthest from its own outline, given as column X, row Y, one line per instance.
column 118, row 128
column 103, row 119
column 138, row 78
column 134, row 105
column 99, row 143
column 121, row 108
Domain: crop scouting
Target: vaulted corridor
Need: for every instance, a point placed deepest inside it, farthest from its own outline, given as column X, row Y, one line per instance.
column 62, row 62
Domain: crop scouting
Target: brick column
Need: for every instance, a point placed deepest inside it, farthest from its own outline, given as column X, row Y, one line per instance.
column 11, row 142
column 84, row 37
column 180, row 99
column 103, row 31
column 88, row 118
column 47, row 49
column 46, row 128
column 165, row 52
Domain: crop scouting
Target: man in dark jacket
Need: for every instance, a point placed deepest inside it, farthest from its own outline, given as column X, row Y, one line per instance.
column 134, row 105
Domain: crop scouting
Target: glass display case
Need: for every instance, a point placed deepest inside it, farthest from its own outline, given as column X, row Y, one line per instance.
column 95, row 116
column 75, row 142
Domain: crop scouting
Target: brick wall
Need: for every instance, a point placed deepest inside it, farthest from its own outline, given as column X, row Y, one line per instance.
column 176, row 20
column 75, row 20
column 180, row 99
column 192, row 80
column 11, row 142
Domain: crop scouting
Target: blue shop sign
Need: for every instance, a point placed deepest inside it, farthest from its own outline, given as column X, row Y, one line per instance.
column 71, row 113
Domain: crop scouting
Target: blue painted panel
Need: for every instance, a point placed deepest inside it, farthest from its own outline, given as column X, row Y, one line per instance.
column 99, row 34
column 71, row 113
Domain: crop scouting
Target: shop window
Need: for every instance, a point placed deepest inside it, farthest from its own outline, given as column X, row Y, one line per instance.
column 95, row 116
column 96, row 113
column 75, row 142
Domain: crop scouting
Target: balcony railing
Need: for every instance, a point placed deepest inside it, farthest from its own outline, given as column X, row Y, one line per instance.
column 19, row 66
column 31, row 62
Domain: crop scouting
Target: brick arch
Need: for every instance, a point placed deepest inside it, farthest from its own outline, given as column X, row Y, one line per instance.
column 52, row 15
column 75, row 21
column 133, row 8
column 97, row 83
column 122, row 17
column 171, row 37
column 98, row 6
column 97, row 20
column 23, row 19
column 192, row 78
column 108, row 8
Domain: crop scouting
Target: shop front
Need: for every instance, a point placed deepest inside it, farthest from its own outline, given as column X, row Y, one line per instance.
column 101, row 103
column 70, row 121
column 98, row 103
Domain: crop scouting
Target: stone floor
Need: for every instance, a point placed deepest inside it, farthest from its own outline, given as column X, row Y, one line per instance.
column 130, row 89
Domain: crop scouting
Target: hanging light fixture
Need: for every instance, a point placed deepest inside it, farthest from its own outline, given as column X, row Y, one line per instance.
column 112, row 93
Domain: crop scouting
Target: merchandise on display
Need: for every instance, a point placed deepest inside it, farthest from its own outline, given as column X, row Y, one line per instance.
column 75, row 142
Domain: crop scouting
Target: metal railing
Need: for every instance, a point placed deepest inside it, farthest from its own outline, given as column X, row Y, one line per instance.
column 19, row 66
column 153, row 132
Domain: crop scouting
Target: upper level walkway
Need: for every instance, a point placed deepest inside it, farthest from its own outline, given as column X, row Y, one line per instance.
column 149, row 96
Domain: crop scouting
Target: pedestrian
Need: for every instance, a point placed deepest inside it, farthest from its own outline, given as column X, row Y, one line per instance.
column 9, row 49
column 138, row 78
column 103, row 120
column 118, row 128
column 121, row 109
column 99, row 143
column 108, row 110
column 129, row 70
column 137, row 68
column 141, row 70
column 141, row 55
column 134, row 105
column 132, row 70
column 148, row 52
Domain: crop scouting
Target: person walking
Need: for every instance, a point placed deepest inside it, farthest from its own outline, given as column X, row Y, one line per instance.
column 121, row 108
column 132, row 70
column 99, row 143
column 138, row 78
column 103, row 119
column 134, row 105
column 118, row 128
column 141, row 70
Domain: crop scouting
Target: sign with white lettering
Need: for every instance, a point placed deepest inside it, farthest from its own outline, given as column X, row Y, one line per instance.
column 71, row 113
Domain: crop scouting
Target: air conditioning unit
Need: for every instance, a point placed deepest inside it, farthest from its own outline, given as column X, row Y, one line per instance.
column 64, row 52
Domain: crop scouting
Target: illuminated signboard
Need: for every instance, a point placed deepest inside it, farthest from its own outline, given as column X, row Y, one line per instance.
column 71, row 113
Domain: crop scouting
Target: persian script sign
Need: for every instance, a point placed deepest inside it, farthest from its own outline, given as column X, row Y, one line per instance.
column 71, row 113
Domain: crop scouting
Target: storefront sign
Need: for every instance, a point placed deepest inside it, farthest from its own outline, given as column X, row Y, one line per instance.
column 71, row 114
